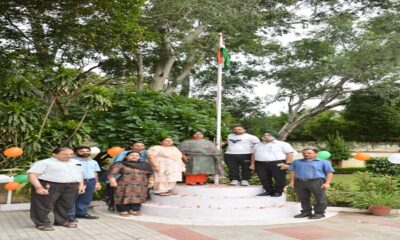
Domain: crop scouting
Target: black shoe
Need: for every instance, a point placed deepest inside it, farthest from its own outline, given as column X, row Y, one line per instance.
column 303, row 215
column 317, row 216
column 112, row 208
column 88, row 216
column 72, row 219
column 264, row 194
column 276, row 194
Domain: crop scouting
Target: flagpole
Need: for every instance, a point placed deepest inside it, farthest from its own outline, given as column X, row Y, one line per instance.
column 219, row 105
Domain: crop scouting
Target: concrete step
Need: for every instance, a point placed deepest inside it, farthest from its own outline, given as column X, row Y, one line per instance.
column 198, row 201
column 216, row 191
column 220, row 214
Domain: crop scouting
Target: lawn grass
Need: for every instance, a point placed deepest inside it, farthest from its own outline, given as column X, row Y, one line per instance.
column 347, row 179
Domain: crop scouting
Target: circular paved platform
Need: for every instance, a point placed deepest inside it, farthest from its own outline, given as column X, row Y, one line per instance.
column 216, row 205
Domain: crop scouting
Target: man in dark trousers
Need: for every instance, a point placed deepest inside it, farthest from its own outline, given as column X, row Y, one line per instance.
column 91, row 181
column 270, row 159
column 311, row 176
column 238, row 155
column 55, row 183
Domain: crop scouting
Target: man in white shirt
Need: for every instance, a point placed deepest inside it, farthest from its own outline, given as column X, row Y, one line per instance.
column 238, row 155
column 271, row 159
column 55, row 183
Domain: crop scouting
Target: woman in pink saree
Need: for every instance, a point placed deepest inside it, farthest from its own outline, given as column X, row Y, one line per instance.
column 168, row 166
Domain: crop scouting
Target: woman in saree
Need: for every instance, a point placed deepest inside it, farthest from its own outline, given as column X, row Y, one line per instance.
column 132, row 186
column 167, row 165
column 202, row 157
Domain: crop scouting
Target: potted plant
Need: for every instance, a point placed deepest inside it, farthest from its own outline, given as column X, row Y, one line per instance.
column 379, row 203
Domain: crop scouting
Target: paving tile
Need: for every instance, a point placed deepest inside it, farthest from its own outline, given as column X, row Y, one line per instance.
column 177, row 232
column 309, row 232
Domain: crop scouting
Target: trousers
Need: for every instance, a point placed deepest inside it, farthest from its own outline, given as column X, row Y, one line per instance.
column 237, row 162
column 60, row 199
column 82, row 201
column 272, row 178
column 304, row 189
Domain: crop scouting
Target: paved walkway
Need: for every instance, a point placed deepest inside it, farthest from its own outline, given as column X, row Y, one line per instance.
column 345, row 226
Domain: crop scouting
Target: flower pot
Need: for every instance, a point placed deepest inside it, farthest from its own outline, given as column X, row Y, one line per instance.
column 379, row 210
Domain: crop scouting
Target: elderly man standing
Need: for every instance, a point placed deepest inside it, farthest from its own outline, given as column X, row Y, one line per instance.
column 238, row 155
column 270, row 159
column 55, row 183
column 311, row 176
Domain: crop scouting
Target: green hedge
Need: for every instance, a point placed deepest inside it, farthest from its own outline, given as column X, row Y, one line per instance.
column 350, row 170
column 383, row 166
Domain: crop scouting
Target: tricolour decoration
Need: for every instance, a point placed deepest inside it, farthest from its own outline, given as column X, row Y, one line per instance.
column 12, row 186
column 95, row 150
column 22, row 178
column 5, row 178
column 114, row 151
column 394, row 158
column 323, row 155
column 362, row 156
column 13, row 152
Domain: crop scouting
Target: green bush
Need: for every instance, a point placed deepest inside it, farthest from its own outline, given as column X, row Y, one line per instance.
column 383, row 166
column 376, row 190
column 364, row 200
column 369, row 182
column 338, row 147
column 149, row 116
column 349, row 170
column 339, row 195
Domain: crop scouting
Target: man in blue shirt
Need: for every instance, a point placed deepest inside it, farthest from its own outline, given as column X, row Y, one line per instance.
column 91, row 181
column 311, row 176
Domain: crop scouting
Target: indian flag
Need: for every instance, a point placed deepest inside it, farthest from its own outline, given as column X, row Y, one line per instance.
column 223, row 56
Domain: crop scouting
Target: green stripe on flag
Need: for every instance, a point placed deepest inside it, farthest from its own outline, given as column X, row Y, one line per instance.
column 227, row 57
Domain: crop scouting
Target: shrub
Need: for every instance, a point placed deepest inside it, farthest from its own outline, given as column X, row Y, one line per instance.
column 376, row 190
column 383, row 166
column 338, row 147
column 339, row 195
column 364, row 200
column 149, row 116
column 349, row 170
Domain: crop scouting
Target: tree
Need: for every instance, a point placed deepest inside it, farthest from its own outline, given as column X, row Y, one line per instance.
column 349, row 53
column 372, row 117
column 184, row 37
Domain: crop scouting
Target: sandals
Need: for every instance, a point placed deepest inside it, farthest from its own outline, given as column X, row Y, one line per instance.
column 163, row 194
column 45, row 228
column 134, row 213
column 124, row 214
column 67, row 225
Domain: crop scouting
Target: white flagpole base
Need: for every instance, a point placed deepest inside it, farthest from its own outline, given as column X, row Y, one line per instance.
column 9, row 196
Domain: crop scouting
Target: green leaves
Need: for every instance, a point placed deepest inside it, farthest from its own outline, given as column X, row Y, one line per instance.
column 150, row 116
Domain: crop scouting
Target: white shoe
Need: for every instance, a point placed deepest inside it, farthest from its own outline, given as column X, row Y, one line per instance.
column 235, row 183
column 244, row 183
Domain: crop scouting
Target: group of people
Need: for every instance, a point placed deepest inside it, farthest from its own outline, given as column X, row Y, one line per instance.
column 66, row 182
column 271, row 159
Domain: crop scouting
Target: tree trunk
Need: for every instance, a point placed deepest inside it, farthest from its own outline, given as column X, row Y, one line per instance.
column 162, row 75
column 185, row 90
column 295, row 120
column 190, row 62
column 76, row 128
column 140, row 72
column 46, row 116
